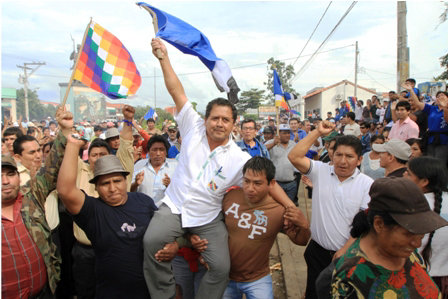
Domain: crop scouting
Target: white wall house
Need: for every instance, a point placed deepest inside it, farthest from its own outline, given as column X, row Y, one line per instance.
column 326, row 99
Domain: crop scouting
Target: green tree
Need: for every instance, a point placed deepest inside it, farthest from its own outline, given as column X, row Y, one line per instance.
column 36, row 109
column 249, row 99
column 194, row 104
column 443, row 63
column 285, row 73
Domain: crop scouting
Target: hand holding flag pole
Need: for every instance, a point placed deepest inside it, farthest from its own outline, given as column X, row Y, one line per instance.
column 155, row 23
column 190, row 40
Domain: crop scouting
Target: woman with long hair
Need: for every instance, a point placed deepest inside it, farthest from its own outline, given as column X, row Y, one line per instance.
column 431, row 176
column 383, row 262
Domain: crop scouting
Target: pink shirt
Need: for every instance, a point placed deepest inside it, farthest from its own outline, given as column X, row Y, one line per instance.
column 405, row 130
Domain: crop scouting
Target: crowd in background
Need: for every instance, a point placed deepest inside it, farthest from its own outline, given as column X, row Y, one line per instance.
column 367, row 149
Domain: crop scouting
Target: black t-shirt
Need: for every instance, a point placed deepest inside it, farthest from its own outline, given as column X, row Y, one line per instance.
column 373, row 111
column 422, row 122
column 117, row 234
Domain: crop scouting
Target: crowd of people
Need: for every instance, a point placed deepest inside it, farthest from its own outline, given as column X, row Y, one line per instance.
column 116, row 210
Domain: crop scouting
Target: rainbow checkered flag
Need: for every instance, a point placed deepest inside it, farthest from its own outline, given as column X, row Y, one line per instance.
column 105, row 65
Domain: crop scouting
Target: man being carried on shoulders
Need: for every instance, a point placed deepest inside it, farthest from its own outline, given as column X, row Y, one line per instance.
column 209, row 163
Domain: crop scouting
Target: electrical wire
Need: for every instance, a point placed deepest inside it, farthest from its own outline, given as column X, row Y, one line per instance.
column 300, row 72
column 312, row 33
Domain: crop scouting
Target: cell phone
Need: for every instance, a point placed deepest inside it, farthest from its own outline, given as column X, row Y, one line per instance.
column 76, row 136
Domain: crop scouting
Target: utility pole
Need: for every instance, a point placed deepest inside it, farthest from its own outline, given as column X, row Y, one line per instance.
column 402, row 45
column 356, row 69
column 24, row 80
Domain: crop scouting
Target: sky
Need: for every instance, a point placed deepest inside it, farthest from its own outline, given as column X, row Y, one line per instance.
column 243, row 33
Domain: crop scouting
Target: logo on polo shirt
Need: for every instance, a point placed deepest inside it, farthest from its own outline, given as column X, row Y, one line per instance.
column 212, row 185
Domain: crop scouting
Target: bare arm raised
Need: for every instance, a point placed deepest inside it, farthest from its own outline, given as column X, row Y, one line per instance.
column 72, row 197
column 297, row 154
column 172, row 82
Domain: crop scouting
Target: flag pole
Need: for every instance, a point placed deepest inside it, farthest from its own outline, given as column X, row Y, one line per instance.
column 76, row 64
column 277, row 117
column 156, row 27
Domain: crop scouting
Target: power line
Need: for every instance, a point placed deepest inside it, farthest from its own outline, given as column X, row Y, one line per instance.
column 313, row 32
column 206, row 72
column 325, row 40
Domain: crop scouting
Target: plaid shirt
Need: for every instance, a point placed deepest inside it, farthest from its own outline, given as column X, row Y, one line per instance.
column 23, row 267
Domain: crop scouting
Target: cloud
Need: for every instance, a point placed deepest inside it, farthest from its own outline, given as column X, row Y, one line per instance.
column 244, row 33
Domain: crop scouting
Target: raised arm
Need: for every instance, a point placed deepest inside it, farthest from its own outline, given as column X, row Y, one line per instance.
column 172, row 82
column 297, row 154
column 443, row 103
column 413, row 99
column 72, row 197
column 125, row 152
column 45, row 180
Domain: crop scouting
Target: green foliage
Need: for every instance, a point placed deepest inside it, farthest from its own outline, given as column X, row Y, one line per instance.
column 251, row 116
column 443, row 63
column 162, row 115
column 194, row 104
column 140, row 111
column 285, row 73
column 249, row 99
column 36, row 110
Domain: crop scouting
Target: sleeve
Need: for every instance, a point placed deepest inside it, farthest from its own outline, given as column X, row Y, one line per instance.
column 146, row 138
column 341, row 288
column 86, row 218
column 45, row 180
column 358, row 131
column 125, row 154
column 187, row 119
column 313, row 172
column 365, row 196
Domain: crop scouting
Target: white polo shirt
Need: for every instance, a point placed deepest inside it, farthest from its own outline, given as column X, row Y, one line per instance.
column 202, row 177
column 335, row 204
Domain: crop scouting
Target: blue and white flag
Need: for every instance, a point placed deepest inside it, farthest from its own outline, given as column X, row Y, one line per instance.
column 189, row 40
column 150, row 114
column 278, row 92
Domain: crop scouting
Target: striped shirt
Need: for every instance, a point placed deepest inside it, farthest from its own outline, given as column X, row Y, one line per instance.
column 23, row 269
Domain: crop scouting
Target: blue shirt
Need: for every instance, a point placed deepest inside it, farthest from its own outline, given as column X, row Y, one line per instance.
column 173, row 151
column 258, row 150
column 436, row 123
column 302, row 134
column 416, row 91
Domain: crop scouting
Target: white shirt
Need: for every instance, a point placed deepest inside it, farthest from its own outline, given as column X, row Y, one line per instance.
column 352, row 129
column 335, row 203
column 380, row 112
column 152, row 184
column 202, row 177
column 439, row 243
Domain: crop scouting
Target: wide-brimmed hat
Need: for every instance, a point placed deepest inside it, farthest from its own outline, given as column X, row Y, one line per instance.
column 8, row 161
column 396, row 147
column 106, row 165
column 112, row 132
column 405, row 203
